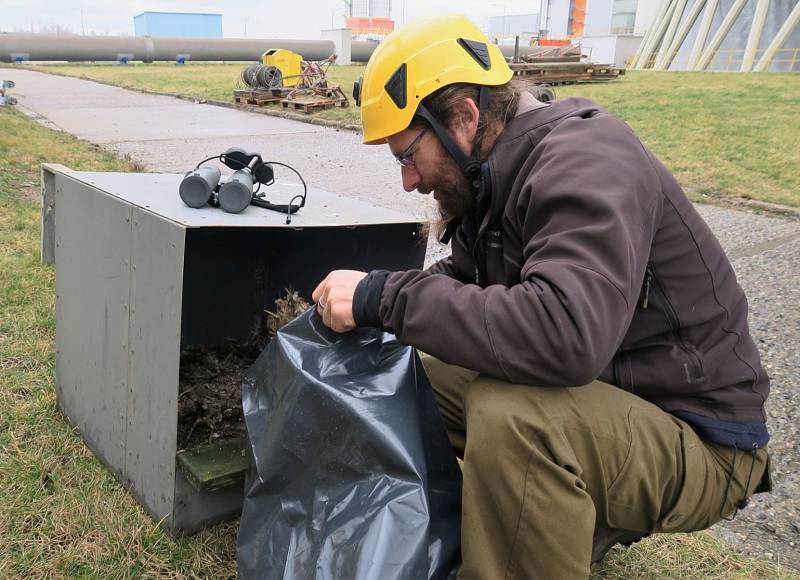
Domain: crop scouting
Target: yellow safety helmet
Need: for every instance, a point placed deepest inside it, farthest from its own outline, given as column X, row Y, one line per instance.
column 416, row 61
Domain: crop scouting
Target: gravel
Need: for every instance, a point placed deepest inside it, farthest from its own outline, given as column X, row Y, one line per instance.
column 764, row 250
column 770, row 525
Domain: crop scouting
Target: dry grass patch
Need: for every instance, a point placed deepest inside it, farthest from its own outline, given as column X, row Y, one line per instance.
column 62, row 514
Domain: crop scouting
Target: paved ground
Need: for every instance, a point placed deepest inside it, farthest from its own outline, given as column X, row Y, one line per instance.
column 166, row 134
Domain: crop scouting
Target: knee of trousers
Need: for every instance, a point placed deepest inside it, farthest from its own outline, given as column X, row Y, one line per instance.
column 500, row 416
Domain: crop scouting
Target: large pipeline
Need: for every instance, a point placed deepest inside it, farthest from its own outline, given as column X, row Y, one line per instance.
column 73, row 48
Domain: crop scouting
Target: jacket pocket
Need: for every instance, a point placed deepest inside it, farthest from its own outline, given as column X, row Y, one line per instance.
column 655, row 296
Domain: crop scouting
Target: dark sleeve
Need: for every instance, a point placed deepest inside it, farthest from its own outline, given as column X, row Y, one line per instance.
column 367, row 298
column 586, row 211
column 458, row 265
column 444, row 266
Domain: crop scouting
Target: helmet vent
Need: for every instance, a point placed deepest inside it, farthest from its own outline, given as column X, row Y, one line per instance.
column 477, row 50
column 357, row 90
column 396, row 86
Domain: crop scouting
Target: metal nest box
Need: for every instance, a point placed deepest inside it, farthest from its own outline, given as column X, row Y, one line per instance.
column 140, row 276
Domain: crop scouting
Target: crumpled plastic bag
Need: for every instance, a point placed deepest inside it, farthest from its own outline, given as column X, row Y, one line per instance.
column 352, row 475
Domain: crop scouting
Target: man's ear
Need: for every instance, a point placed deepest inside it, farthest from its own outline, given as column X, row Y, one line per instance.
column 465, row 121
column 466, row 113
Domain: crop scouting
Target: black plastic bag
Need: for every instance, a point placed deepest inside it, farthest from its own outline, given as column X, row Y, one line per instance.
column 352, row 474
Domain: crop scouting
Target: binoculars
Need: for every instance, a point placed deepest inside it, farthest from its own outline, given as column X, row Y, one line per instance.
column 203, row 186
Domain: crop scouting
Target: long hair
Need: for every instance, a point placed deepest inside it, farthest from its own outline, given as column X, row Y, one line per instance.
column 502, row 106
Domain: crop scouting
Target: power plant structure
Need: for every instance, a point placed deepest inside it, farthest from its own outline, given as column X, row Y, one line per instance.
column 369, row 18
column 692, row 35
column 723, row 35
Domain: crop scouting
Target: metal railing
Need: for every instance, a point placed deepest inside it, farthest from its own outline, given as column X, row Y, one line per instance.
column 730, row 60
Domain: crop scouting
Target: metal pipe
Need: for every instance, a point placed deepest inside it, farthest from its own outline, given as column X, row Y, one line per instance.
column 75, row 48
column 720, row 35
column 44, row 47
column 702, row 34
column 754, row 37
column 653, row 43
column 651, row 30
column 669, row 35
column 780, row 38
column 677, row 42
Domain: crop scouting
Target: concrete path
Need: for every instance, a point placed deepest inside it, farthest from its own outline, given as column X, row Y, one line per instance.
column 165, row 134
column 171, row 135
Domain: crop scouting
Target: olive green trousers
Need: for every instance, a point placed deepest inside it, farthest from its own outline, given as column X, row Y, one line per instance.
column 545, row 467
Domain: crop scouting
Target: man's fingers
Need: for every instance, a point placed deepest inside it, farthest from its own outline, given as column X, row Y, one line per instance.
column 326, row 316
column 334, row 299
column 319, row 290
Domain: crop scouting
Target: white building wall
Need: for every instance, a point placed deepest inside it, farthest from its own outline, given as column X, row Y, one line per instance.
column 610, row 49
column 513, row 24
column 372, row 8
column 646, row 12
column 601, row 49
column 557, row 18
column 598, row 17
column 627, row 46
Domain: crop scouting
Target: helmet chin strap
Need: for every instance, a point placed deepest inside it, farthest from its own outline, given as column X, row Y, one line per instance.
column 470, row 167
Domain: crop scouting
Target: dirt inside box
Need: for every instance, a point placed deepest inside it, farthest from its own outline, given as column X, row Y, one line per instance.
column 210, row 385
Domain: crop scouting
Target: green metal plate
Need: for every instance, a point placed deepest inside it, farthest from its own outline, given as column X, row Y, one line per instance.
column 214, row 466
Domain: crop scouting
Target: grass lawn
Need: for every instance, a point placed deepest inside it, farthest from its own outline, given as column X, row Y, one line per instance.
column 724, row 135
column 62, row 514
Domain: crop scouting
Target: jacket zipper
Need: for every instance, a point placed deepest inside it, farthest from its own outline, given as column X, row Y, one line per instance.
column 672, row 318
column 476, row 251
column 648, row 278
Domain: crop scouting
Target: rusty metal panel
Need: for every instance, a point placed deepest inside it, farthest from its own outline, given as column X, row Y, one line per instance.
column 92, row 248
column 154, row 356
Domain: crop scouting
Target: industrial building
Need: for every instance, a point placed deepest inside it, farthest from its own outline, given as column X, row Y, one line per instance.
column 526, row 26
column 369, row 18
column 719, row 35
column 178, row 24
column 610, row 31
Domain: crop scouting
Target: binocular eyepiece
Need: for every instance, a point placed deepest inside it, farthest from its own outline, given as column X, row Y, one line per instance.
column 236, row 193
column 198, row 186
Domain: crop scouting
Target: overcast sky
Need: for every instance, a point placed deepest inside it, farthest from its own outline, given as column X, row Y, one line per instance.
column 274, row 19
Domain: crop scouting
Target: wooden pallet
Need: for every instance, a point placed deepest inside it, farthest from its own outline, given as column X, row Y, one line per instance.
column 565, row 73
column 256, row 96
column 311, row 105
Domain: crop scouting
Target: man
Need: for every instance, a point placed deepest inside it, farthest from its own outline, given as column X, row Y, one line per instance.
column 587, row 339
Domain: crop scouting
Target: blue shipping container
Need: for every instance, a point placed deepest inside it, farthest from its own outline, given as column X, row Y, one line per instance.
column 178, row 24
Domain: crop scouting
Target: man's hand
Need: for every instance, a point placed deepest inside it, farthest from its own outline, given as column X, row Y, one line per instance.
column 334, row 298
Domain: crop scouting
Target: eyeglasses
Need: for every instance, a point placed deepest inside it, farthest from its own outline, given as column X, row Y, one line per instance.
column 406, row 157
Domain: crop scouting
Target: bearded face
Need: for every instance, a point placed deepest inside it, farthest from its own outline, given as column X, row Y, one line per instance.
column 439, row 174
